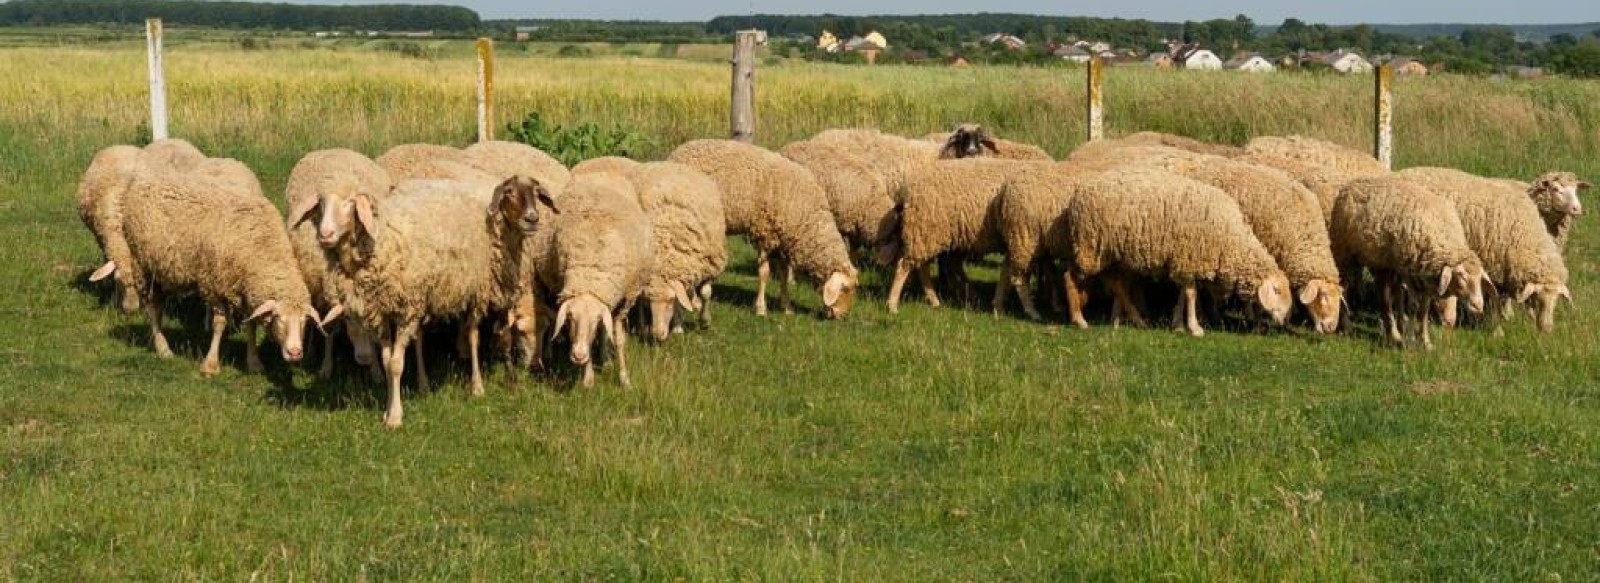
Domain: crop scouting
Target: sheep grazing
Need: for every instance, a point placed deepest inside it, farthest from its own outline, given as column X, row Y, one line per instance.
column 949, row 207
column 1317, row 153
column 607, row 164
column 970, row 140
column 687, row 223
column 429, row 161
column 1408, row 238
column 600, row 258
column 862, row 205
column 211, row 232
column 1506, row 231
column 1556, row 194
column 1325, row 182
column 1180, row 142
column 784, row 212
column 1285, row 216
column 327, row 181
column 1030, row 207
column 893, row 158
column 1150, row 223
column 99, row 203
column 503, row 160
column 428, row 252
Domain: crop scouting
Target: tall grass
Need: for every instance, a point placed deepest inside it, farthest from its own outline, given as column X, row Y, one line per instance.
column 938, row 444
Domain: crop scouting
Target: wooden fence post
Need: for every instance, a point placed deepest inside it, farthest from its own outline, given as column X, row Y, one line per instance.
column 743, row 117
column 158, row 79
column 1097, row 126
column 1383, row 148
column 485, row 89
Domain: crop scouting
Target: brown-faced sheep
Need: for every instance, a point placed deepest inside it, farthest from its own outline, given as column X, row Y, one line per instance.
column 1408, row 238
column 1505, row 230
column 601, row 256
column 781, row 208
column 231, row 250
column 1151, row 223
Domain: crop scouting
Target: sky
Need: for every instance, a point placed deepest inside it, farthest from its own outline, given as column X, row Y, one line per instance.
column 1262, row 11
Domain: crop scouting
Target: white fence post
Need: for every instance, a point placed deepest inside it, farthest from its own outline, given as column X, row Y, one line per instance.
column 485, row 89
column 158, row 80
column 743, row 112
column 1383, row 148
column 1097, row 128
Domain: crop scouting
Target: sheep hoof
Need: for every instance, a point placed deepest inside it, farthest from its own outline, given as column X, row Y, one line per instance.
column 210, row 368
column 1081, row 324
column 477, row 388
column 392, row 419
column 162, row 351
column 1197, row 332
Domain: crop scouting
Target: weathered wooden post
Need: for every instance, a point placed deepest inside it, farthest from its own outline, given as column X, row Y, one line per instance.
column 485, row 89
column 743, row 117
column 1097, row 126
column 1383, row 148
column 158, row 79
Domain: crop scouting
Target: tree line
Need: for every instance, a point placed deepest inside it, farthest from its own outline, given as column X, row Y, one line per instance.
column 240, row 15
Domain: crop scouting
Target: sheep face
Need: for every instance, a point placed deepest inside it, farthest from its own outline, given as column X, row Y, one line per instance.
column 288, row 328
column 342, row 203
column 1559, row 193
column 127, row 298
column 839, row 294
column 1542, row 299
column 1274, row 296
column 665, row 298
column 588, row 315
column 1465, row 281
column 361, row 339
column 1323, row 300
column 968, row 141
column 519, row 199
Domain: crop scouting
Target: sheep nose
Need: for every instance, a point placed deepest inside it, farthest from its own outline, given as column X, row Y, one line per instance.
column 292, row 354
column 580, row 358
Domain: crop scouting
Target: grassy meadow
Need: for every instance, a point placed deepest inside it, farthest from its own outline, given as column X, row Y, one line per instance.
column 940, row 444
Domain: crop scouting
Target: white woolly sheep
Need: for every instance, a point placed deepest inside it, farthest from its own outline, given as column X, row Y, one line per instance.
column 427, row 251
column 432, row 162
column 99, row 203
column 895, row 159
column 1408, row 238
column 1285, row 216
column 689, row 228
column 1030, row 211
column 503, row 160
column 607, row 164
column 1151, row 223
column 784, row 212
column 862, row 204
column 1180, row 142
column 601, row 255
column 1505, row 230
column 1556, row 195
column 948, row 208
column 329, row 179
column 1316, row 152
column 231, row 250
column 1326, row 182
column 970, row 140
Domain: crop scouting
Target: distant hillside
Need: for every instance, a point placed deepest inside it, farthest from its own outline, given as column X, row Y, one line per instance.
column 240, row 15
column 1527, row 32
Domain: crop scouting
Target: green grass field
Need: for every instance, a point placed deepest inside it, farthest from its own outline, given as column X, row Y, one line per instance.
column 936, row 445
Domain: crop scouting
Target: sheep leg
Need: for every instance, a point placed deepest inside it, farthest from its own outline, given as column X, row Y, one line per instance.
column 1075, row 299
column 219, row 325
column 252, row 351
column 588, row 374
column 1193, row 323
column 785, row 299
column 619, row 342
column 325, row 372
column 153, row 313
column 763, row 273
column 1000, row 287
column 1423, row 305
column 1390, row 324
column 902, row 271
column 472, row 350
column 1124, row 303
column 422, row 365
column 394, row 361
column 925, row 274
column 705, row 305
column 1019, row 282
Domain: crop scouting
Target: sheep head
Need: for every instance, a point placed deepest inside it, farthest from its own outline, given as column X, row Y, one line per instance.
column 968, row 141
column 288, row 326
column 1274, row 296
column 1543, row 302
column 342, row 202
column 361, row 339
column 518, row 200
column 1559, row 191
column 588, row 315
column 1323, row 300
column 839, row 293
column 1465, row 281
column 127, row 299
column 664, row 299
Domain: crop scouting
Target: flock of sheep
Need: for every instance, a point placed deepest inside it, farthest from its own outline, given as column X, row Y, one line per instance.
column 503, row 237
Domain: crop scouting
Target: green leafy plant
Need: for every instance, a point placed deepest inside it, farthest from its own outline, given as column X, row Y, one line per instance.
column 574, row 144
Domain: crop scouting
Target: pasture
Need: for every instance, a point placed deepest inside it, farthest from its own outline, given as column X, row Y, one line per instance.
column 936, row 444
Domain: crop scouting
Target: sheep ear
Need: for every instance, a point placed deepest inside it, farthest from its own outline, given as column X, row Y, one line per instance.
column 1444, row 281
column 104, row 271
column 500, row 194
column 1564, row 292
column 682, row 295
column 1584, row 186
column 333, row 314
column 1527, row 292
column 833, row 289
column 561, row 320
column 266, row 308
column 302, row 211
column 364, row 213
column 1310, row 292
column 606, row 326
column 1490, row 283
column 1268, row 293
column 989, row 143
column 316, row 320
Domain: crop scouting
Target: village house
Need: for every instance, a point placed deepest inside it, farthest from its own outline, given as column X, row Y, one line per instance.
column 1011, row 42
column 1071, row 53
column 1249, row 63
column 827, row 42
column 1408, row 66
column 1348, row 62
column 1194, row 58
